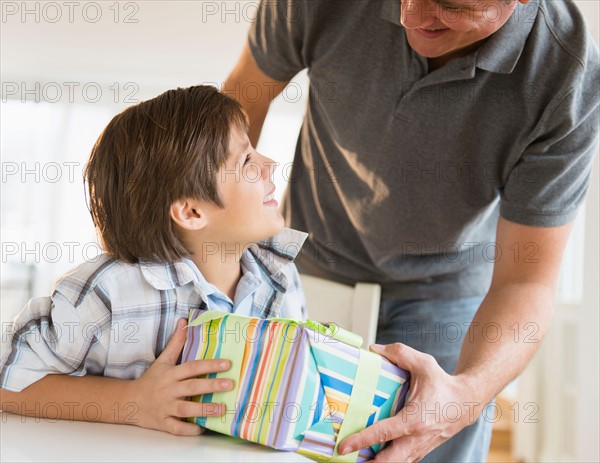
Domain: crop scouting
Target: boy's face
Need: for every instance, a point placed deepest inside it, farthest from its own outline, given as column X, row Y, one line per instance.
column 244, row 184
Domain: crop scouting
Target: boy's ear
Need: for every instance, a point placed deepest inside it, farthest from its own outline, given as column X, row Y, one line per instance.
column 187, row 214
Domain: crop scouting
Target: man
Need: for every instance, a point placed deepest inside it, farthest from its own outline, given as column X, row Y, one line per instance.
column 446, row 161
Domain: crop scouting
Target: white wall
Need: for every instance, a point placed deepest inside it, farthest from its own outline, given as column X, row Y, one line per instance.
column 562, row 383
column 65, row 72
column 587, row 388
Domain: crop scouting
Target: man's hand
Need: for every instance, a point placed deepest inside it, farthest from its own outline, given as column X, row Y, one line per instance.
column 162, row 390
column 438, row 407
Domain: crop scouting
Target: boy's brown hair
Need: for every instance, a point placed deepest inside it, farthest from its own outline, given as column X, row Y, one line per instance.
column 150, row 155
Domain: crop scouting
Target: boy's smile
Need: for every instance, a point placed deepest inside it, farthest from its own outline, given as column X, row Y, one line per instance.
column 270, row 199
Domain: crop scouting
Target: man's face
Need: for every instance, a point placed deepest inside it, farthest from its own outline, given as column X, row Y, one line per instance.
column 447, row 28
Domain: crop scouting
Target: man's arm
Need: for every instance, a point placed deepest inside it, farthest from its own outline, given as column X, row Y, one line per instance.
column 505, row 334
column 519, row 303
column 245, row 75
column 156, row 400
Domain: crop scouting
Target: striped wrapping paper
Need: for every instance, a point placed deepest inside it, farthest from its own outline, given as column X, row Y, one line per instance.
column 299, row 386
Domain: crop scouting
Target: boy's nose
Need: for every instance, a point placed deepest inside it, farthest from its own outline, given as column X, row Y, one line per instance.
column 268, row 167
column 416, row 14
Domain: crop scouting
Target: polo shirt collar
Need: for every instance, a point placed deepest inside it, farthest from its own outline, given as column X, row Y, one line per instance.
column 502, row 50
column 390, row 10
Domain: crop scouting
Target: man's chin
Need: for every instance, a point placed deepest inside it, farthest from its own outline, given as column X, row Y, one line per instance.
column 427, row 53
column 438, row 50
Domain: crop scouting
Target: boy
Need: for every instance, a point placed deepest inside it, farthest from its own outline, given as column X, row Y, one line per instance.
column 181, row 202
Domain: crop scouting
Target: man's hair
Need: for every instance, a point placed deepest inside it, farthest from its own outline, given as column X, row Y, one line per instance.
column 150, row 155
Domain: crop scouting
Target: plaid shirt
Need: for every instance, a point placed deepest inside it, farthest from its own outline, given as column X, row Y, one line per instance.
column 111, row 318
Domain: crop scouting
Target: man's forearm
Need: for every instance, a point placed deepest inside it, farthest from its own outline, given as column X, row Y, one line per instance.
column 86, row 398
column 505, row 334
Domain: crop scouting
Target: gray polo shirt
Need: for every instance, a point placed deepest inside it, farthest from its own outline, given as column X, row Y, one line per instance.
column 399, row 174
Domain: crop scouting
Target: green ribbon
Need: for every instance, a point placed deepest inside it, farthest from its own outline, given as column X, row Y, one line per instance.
column 361, row 401
column 330, row 330
column 207, row 316
column 228, row 350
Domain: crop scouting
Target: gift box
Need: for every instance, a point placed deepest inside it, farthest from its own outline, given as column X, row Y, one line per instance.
column 300, row 386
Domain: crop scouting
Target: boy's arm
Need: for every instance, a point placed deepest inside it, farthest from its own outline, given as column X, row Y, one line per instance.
column 156, row 400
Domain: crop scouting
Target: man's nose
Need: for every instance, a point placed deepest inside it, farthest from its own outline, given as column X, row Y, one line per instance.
column 416, row 14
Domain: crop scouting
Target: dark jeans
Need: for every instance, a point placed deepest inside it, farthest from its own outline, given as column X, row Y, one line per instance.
column 438, row 327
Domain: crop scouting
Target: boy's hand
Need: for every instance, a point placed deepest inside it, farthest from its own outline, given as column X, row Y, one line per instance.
column 162, row 390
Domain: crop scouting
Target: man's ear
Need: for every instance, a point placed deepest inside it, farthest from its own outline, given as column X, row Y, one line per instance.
column 188, row 215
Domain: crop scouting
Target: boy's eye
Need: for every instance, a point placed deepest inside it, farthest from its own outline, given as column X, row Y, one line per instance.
column 247, row 160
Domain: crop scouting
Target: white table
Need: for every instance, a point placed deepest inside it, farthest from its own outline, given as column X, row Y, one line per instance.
column 31, row 439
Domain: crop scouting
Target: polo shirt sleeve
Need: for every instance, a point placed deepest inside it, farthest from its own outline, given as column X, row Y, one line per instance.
column 276, row 37
column 52, row 336
column 550, row 180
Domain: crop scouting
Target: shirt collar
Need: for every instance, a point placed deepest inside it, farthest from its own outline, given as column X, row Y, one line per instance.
column 271, row 255
column 274, row 253
column 164, row 276
column 390, row 11
column 207, row 287
column 251, row 279
column 502, row 50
